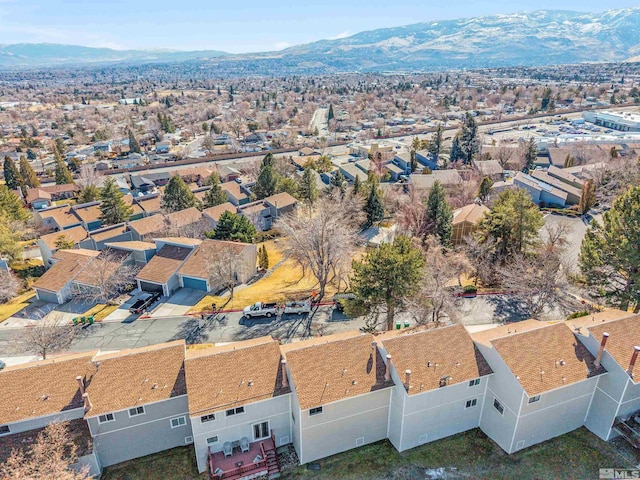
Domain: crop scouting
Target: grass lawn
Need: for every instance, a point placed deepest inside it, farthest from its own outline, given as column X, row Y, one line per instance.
column 577, row 455
column 283, row 283
column 176, row 464
column 15, row 305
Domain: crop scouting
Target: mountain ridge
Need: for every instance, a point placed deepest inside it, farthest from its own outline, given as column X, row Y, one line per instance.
column 541, row 37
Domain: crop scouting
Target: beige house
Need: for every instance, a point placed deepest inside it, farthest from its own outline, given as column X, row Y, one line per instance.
column 465, row 221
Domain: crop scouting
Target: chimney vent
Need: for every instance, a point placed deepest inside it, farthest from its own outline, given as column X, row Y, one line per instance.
column 387, row 372
column 374, row 360
column 632, row 363
column 407, row 374
column 605, row 336
column 80, row 384
column 87, row 403
column 285, row 380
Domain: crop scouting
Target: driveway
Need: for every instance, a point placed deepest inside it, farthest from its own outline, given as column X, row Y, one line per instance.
column 177, row 304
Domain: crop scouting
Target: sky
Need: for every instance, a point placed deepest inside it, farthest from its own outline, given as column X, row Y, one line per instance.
column 238, row 27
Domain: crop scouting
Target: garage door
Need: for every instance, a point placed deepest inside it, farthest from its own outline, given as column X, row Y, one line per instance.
column 195, row 283
column 150, row 287
column 47, row 296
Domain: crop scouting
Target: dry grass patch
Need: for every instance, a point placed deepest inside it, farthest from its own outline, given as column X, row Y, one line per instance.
column 14, row 305
column 284, row 283
column 101, row 311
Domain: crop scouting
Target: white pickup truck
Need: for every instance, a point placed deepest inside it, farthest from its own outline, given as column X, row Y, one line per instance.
column 260, row 309
column 297, row 308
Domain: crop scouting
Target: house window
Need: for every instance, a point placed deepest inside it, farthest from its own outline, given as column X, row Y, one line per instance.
column 213, row 439
column 107, row 417
column 136, row 411
column 534, row 399
column 178, row 422
column 315, row 411
column 4, row 429
column 235, row 411
column 498, row 406
column 475, row 382
column 207, row 418
column 472, row 403
column 261, row 430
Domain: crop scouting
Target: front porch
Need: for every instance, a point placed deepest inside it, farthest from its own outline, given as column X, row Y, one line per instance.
column 260, row 459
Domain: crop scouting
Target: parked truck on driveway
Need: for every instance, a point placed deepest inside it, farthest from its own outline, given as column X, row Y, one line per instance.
column 260, row 309
column 144, row 301
column 297, row 308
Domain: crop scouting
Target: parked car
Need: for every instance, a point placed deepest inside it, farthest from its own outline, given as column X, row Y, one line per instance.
column 2, row 365
column 260, row 309
column 144, row 301
column 297, row 308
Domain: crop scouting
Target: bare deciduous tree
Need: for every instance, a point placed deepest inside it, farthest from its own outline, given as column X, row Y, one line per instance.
column 322, row 238
column 50, row 457
column 224, row 268
column 9, row 286
column 89, row 177
column 49, row 335
column 110, row 274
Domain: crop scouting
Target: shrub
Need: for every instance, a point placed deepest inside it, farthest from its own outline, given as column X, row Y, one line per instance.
column 469, row 289
column 578, row 314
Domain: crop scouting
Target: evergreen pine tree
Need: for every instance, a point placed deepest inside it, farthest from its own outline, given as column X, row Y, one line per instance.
column 373, row 207
column 308, row 190
column 113, row 208
column 469, row 140
column 29, row 176
column 267, row 182
column 330, row 115
column 439, row 212
column 90, row 193
column 233, row 227
column 456, row 152
column 12, row 177
column 215, row 196
column 357, row 185
column 177, row 196
column 485, row 189
column 11, row 207
column 63, row 175
column 134, row 146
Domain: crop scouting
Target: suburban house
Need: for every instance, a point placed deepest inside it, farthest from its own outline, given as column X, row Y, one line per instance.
column 422, row 181
column 90, row 215
column 142, row 252
column 55, row 284
column 489, row 168
column 238, row 391
column 142, row 183
column 613, row 337
column 543, row 382
column 57, row 218
column 148, row 227
column 61, row 192
column 350, row 172
column 573, row 193
column 161, row 273
column 465, row 221
column 394, row 171
column 439, row 380
column 47, row 243
column 137, row 211
column 213, row 214
column 99, row 271
column 340, row 396
column 38, row 198
column 426, row 158
column 98, row 239
column 194, row 274
column 280, row 204
column 39, row 393
column 566, row 176
column 541, row 193
column 163, row 147
column 137, row 402
column 236, row 194
column 150, row 204
column 258, row 213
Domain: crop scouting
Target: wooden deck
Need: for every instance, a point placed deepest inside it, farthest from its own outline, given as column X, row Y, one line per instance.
column 261, row 459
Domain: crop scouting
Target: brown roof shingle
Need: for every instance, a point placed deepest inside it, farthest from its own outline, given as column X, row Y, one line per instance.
column 42, row 388
column 196, row 265
column 624, row 335
column 546, row 358
column 335, row 367
column 63, row 216
column 219, row 378
column 164, row 264
column 215, row 212
column 88, row 213
column 159, row 223
column 136, row 377
column 62, row 272
column 75, row 233
column 434, row 354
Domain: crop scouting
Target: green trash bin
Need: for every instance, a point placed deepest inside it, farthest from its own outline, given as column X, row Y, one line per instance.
column 406, row 324
column 83, row 320
column 398, row 325
column 91, row 319
column 75, row 320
